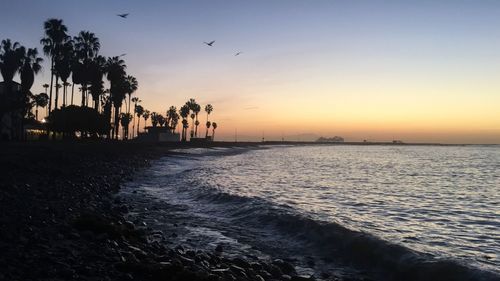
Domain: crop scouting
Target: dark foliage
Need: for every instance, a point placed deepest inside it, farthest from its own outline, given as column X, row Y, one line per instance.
column 72, row 119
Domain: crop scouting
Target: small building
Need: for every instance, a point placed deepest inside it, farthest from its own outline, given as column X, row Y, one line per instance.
column 201, row 140
column 159, row 134
column 10, row 121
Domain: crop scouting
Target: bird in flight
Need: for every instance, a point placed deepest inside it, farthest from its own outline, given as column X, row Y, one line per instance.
column 123, row 15
column 210, row 43
column 238, row 53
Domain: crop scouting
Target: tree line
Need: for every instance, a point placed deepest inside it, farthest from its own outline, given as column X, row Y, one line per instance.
column 100, row 111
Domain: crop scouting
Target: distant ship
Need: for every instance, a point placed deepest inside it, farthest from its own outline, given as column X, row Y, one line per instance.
column 334, row 139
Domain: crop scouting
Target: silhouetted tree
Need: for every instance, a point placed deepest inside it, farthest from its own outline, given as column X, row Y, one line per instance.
column 115, row 69
column 195, row 108
column 174, row 121
column 31, row 65
column 145, row 115
column 87, row 47
column 96, row 71
column 62, row 66
column 154, row 119
column 125, row 119
column 184, row 113
column 208, row 124
column 214, row 126
column 40, row 100
column 55, row 36
column 131, row 88
column 71, row 119
column 135, row 100
column 11, row 61
column 139, row 110
column 172, row 118
column 161, row 120
column 208, row 109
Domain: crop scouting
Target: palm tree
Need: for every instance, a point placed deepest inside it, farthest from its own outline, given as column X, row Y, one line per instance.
column 115, row 69
column 185, row 127
column 131, row 88
column 135, row 100
column 194, row 107
column 208, row 109
column 46, row 86
column 77, row 74
column 192, row 124
column 31, row 66
column 174, row 122
column 65, row 86
column 145, row 115
column 196, row 110
column 96, row 71
column 214, row 126
column 40, row 100
column 154, row 119
column 11, row 61
column 55, row 36
column 125, row 119
column 139, row 110
column 87, row 47
column 184, row 113
column 208, row 127
column 171, row 116
column 161, row 120
column 63, row 66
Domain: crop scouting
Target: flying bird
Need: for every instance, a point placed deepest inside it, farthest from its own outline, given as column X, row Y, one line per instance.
column 210, row 43
column 238, row 53
column 123, row 15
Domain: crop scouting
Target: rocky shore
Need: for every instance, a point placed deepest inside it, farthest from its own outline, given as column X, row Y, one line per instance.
column 59, row 220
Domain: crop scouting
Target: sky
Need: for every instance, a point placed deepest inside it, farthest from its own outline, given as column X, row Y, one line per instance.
column 416, row 71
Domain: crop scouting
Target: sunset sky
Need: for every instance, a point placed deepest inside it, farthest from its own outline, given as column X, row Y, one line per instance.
column 418, row 71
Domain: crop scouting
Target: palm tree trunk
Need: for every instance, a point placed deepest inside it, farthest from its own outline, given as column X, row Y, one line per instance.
column 128, row 112
column 51, row 85
column 57, row 92
column 192, row 128
column 138, row 120
column 72, row 92
column 36, row 112
column 117, row 122
column 133, row 125
column 206, row 132
column 213, row 134
column 196, row 127
column 64, row 95
column 83, row 95
column 128, row 109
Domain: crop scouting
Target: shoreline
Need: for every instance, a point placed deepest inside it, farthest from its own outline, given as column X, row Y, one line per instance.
column 60, row 220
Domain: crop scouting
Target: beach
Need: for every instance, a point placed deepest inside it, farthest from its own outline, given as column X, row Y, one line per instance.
column 59, row 220
column 138, row 211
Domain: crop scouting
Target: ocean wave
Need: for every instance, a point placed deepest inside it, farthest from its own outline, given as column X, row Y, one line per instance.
column 334, row 241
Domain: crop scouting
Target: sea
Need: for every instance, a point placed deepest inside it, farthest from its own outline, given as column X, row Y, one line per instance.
column 388, row 212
